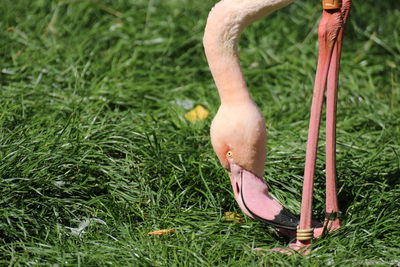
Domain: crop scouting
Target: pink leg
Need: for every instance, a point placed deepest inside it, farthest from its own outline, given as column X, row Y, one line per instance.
column 332, row 208
column 330, row 35
column 327, row 33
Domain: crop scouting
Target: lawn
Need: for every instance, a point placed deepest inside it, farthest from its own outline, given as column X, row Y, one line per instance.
column 95, row 150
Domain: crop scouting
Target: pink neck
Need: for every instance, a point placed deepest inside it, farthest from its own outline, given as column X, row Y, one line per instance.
column 225, row 68
column 224, row 24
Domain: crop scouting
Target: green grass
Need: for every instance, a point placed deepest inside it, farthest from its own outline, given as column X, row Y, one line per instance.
column 91, row 130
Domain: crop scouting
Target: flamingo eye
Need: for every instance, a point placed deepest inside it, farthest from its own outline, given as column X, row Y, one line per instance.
column 229, row 154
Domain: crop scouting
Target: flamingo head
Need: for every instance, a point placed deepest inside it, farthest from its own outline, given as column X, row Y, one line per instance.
column 238, row 137
column 238, row 134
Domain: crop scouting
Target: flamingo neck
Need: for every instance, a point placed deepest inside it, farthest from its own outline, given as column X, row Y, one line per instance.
column 225, row 23
column 228, row 77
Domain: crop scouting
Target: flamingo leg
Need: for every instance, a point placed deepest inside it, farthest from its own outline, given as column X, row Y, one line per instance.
column 327, row 32
column 329, row 27
column 332, row 221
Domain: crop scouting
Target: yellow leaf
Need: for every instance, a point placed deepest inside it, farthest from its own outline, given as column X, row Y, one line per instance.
column 162, row 232
column 199, row 113
column 232, row 217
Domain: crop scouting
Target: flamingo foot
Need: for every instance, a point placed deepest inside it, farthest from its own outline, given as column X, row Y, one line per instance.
column 298, row 247
column 291, row 234
column 293, row 248
column 329, row 227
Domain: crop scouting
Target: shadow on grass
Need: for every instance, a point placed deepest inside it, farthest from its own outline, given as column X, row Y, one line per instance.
column 393, row 178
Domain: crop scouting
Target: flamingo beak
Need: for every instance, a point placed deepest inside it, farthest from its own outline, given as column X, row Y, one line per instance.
column 251, row 193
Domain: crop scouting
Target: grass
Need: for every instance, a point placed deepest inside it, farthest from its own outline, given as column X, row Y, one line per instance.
column 93, row 135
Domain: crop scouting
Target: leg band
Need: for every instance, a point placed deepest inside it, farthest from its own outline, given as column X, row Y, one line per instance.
column 305, row 234
column 331, row 4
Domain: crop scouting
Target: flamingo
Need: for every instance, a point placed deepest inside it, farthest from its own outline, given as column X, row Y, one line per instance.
column 238, row 132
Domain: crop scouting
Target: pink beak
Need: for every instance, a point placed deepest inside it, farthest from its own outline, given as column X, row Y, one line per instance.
column 251, row 193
